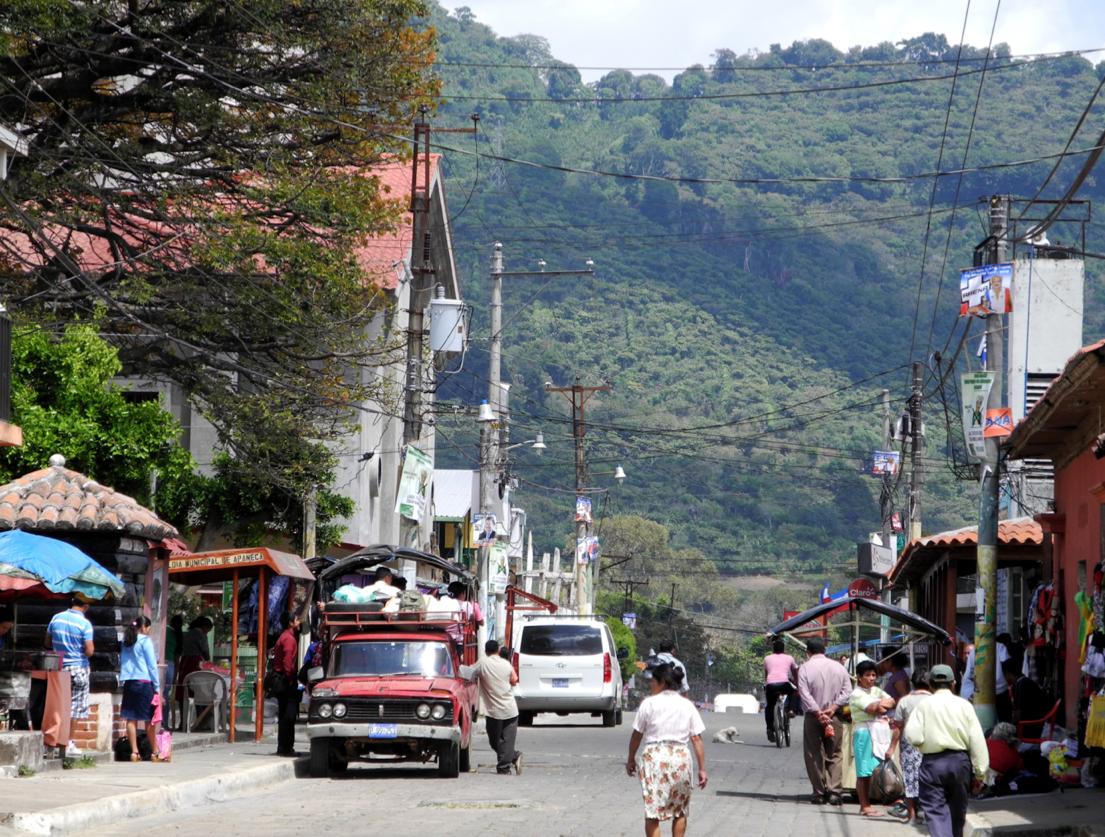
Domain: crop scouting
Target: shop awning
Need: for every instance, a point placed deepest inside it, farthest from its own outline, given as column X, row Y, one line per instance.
column 219, row 565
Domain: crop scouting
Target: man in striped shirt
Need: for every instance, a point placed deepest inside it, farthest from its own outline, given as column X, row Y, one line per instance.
column 70, row 632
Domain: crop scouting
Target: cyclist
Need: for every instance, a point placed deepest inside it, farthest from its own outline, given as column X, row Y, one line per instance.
column 780, row 672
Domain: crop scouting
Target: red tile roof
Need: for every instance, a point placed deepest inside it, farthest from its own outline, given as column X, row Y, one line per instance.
column 59, row 500
column 1022, row 531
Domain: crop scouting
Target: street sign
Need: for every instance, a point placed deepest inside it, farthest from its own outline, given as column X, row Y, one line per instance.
column 875, row 559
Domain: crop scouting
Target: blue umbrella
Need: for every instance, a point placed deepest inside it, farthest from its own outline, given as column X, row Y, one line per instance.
column 60, row 567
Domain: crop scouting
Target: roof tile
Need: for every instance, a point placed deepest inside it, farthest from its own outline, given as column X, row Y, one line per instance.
column 57, row 497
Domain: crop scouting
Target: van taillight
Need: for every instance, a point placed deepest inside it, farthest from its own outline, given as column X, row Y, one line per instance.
column 515, row 663
column 607, row 674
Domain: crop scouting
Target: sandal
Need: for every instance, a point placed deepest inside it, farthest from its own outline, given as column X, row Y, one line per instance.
column 157, row 757
column 135, row 757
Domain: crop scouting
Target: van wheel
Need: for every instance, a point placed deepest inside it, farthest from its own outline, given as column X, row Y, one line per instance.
column 466, row 757
column 618, row 717
column 525, row 719
column 610, row 718
column 448, row 760
column 320, row 758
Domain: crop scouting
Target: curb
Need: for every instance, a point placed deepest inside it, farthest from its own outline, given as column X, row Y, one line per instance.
column 86, row 816
column 978, row 826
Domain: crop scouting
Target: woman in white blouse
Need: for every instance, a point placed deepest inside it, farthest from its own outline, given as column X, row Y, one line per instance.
column 666, row 723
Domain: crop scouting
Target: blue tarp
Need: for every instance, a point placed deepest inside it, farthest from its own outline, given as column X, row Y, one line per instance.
column 62, row 568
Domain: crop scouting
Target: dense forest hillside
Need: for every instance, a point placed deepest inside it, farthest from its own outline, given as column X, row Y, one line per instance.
column 753, row 298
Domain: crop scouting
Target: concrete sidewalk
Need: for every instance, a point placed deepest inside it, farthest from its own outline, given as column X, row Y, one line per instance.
column 1075, row 811
column 204, row 769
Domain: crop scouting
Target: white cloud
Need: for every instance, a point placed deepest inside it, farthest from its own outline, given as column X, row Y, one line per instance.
column 663, row 33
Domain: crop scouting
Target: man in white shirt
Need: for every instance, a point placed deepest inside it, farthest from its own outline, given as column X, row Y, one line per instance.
column 667, row 655
column 381, row 589
column 497, row 678
column 1003, row 703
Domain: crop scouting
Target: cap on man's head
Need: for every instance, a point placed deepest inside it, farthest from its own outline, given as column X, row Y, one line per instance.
column 941, row 675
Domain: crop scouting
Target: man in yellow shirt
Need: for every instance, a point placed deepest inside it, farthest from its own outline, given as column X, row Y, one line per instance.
column 947, row 732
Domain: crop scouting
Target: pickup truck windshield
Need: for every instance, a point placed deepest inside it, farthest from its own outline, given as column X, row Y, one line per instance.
column 383, row 659
column 561, row 640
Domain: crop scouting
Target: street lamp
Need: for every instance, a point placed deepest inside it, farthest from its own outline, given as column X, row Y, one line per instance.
column 537, row 443
column 618, row 474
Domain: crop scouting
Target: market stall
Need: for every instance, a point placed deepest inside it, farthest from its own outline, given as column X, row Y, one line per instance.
column 33, row 569
column 274, row 571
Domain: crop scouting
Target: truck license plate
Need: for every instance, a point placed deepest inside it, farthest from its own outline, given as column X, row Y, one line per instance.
column 560, row 682
column 383, row 731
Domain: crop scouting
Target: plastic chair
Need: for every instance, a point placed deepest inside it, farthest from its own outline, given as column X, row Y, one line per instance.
column 1049, row 719
column 208, row 689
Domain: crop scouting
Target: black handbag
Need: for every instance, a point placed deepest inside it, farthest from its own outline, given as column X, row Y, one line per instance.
column 276, row 684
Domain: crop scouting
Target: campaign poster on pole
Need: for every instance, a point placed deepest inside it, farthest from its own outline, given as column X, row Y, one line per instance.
column 414, row 484
column 886, row 462
column 976, row 391
column 986, row 290
column 587, row 550
column 583, row 509
column 499, row 568
column 630, row 620
column 483, row 528
column 998, row 423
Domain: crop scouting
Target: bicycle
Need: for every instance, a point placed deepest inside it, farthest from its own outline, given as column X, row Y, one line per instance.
column 782, row 722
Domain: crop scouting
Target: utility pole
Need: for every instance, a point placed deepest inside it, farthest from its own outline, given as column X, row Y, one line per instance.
column 916, row 468
column 989, row 493
column 579, row 396
column 630, row 587
column 671, row 611
column 887, row 478
column 491, row 431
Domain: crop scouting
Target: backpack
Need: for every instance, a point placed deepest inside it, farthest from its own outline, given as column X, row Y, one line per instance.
column 411, row 601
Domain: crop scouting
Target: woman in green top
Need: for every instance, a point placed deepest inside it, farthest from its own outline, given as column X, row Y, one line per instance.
column 867, row 703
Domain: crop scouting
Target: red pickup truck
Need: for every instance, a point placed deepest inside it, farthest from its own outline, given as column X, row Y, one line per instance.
column 390, row 689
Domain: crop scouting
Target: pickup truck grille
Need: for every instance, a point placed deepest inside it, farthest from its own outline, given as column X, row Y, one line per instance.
column 374, row 711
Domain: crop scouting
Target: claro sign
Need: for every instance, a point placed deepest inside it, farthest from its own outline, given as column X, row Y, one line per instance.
column 862, row 588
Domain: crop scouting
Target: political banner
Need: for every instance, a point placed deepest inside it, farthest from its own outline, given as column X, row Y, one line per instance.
column 975, row 392
column 587, row 550
column 998, row 423
column 986, row 290
column 630, row 620
column 499, row 568
column 414, row 484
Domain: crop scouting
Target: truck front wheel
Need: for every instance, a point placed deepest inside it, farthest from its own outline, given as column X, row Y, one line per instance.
column 320, row 758
column 448, row 760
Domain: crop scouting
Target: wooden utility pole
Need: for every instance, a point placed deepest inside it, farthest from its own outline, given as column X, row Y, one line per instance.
column 630, row 586
column 989, row 493
column 579, row 396
column 916, row 466
column 671, row 612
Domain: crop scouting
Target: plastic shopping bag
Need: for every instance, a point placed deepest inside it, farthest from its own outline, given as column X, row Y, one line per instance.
column 1095, row 722
column 165, row 745
column 157, row 717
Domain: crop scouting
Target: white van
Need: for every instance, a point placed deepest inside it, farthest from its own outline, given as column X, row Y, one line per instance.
column 567, row 665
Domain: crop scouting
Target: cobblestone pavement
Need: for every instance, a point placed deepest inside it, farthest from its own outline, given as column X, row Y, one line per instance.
column 573, row 783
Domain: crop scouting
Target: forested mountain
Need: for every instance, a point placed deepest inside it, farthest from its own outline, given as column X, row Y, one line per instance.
column 750, row 303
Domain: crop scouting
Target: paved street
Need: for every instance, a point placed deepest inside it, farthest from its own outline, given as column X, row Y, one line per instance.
column 574, row 783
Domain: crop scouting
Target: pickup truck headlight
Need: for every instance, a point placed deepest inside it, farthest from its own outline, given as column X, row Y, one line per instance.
column 339, row 710
column 325, row 710
column 423, row 711
column 438, row 711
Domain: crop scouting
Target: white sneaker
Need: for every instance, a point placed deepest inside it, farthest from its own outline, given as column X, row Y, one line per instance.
column 71, row 750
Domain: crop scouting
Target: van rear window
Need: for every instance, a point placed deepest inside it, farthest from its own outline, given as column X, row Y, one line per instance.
column 561, row 640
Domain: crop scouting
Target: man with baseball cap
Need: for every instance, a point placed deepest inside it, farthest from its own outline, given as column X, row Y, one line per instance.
column 947, row 732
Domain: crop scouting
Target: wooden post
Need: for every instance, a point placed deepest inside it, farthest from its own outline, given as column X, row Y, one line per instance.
column 262, row 637
column 234, row 658
column 558, row 580
column 543, row 581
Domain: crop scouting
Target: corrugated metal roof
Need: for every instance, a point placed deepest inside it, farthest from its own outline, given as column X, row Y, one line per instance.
column 453, row 494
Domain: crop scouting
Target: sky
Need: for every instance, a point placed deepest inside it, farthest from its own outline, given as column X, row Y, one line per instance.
column 678, row 33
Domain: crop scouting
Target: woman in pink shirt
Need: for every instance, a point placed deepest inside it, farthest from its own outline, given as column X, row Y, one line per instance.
column 779, row 670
